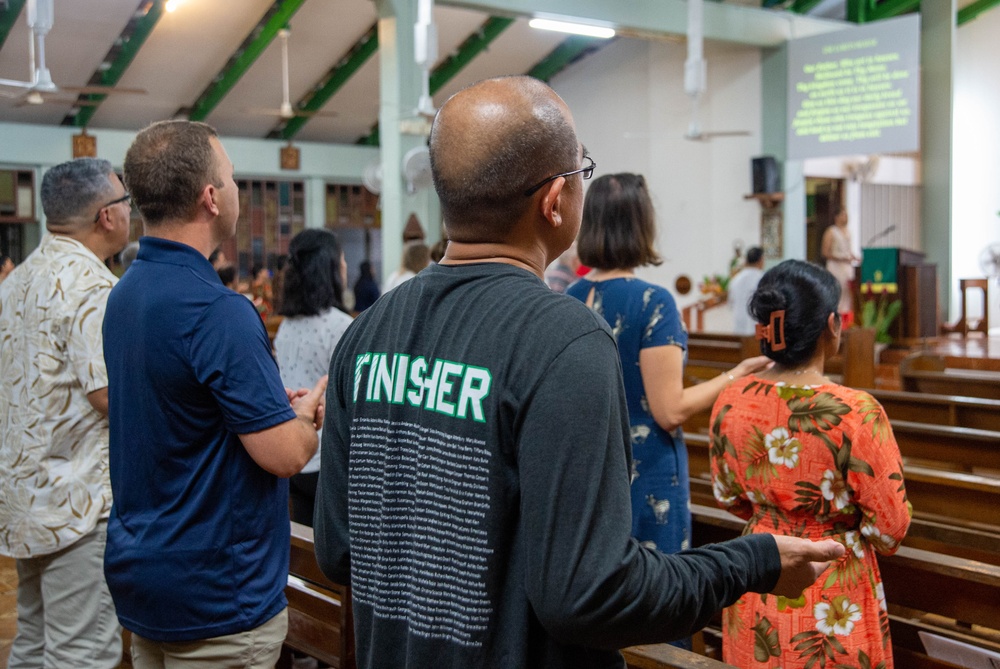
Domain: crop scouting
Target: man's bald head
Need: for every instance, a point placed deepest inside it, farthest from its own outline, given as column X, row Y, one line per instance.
column 491, row 142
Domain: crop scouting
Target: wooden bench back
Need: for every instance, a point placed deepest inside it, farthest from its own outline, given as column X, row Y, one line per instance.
column 953, row 410
column 954, row 512
column 320, row 622
column 711, row 354
column 945, row 594
column 927, row 373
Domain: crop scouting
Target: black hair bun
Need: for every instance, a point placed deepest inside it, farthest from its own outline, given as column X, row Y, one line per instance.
column 765, row 301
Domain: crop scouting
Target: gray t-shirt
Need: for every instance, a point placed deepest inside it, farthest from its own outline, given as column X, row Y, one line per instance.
column 475, row 486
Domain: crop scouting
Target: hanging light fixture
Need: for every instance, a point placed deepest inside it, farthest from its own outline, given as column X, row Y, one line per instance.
column 572, row 28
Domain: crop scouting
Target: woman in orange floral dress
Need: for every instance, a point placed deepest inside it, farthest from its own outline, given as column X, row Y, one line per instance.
column 793, row 453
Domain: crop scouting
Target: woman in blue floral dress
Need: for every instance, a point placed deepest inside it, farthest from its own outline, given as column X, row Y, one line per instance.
column 617, row 236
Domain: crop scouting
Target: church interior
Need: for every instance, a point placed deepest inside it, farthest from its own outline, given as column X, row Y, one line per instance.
column 325, row 108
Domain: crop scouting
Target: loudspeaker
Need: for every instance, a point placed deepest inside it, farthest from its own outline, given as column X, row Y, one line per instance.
column 765, row 176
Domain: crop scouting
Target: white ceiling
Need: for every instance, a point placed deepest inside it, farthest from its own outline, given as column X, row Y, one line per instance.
column 189, row 47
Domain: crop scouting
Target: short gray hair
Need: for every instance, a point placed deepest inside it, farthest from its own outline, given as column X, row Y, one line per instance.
column 71, row 190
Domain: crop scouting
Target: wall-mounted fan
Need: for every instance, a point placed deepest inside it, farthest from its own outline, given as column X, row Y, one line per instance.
column 417, row 169
column 695, row 77
column 286, row 110
column 371, row 177
column 989, row 261
column 41, row 88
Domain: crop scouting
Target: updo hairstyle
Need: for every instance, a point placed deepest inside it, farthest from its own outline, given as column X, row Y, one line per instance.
column 808, row 294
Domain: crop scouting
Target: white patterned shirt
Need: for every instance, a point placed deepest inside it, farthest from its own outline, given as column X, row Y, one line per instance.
column 54, row 483
column 304, row 346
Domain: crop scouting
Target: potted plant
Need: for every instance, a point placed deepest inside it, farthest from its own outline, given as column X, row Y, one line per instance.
column 879, row 313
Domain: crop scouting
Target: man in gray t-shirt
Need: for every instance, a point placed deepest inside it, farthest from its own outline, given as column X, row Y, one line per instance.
column 475, row 480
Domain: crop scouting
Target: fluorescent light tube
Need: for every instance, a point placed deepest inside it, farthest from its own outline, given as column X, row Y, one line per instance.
column 574, row 28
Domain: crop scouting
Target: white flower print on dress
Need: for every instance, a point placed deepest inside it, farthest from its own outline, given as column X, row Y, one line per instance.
column 853, row 541
column 724, row 485
column 880, row 596
column 837, row 617
column 876, row 538
column 834, row 489
column 782, row 449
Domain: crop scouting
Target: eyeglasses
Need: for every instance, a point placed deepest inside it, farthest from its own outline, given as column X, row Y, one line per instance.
column 587, row 171
column 126, row 198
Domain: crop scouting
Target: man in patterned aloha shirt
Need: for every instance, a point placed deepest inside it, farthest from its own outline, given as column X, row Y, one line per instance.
column 54, row 489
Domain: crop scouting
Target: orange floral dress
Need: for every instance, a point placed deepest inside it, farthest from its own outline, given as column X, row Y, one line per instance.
column 814, row 462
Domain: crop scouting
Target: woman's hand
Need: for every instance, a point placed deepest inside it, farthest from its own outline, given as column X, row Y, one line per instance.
column 752, row 366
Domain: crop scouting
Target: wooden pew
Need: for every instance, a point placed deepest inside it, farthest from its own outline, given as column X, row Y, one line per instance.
column 953, row 410
column 663, row 656
column 927, row 373
column 718, row 347
column 320, row 623
column 946, row 595
column 271, row 325
column 711, row 354
column 946, row 410
column 953, row 512
column 948, row 447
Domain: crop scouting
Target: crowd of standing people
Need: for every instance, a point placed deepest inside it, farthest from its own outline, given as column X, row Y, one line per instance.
column 496, row 469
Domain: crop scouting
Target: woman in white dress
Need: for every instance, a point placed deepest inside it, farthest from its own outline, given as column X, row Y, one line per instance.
column 315, row 320
column 840, row 259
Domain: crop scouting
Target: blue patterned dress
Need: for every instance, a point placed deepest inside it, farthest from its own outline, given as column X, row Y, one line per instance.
column 642, row 315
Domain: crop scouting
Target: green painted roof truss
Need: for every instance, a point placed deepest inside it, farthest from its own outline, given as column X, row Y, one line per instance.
column 8, row 18
column 119, row 57
column 473, row 45
column 334, row 80
column 260, row 37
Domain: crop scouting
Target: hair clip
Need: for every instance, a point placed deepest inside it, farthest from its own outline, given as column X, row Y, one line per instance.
column 773, row 333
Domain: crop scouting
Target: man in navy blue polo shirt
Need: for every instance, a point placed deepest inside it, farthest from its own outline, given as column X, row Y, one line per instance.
column 203, row 434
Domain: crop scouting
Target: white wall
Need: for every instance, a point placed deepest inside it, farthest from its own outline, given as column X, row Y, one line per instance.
column 890, row 170
column 631, row 112
column 976, row 160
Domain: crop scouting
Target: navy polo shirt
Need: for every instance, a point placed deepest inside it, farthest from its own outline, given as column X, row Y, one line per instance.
column 198, row 536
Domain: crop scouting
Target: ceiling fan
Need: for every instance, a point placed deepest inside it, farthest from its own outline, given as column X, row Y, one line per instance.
column 286, row 111
column 41, row 88
column 695, row 77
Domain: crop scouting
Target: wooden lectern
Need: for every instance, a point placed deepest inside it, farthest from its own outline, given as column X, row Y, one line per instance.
column 903, row 274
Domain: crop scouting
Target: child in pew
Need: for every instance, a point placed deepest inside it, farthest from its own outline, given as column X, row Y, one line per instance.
column 796, row 454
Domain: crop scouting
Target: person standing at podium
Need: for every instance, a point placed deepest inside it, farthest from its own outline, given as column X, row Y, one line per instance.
column 840, row 259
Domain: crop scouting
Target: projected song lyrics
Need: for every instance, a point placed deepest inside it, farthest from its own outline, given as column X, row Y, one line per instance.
column 852, row 98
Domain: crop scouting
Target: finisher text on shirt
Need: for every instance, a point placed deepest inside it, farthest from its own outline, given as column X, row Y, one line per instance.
column 450, row 388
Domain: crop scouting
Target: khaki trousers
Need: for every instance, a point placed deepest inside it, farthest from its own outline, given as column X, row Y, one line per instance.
column 258, row 648
column 65, row 616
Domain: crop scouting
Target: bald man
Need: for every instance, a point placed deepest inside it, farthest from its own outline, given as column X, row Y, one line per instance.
column 475, row 479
